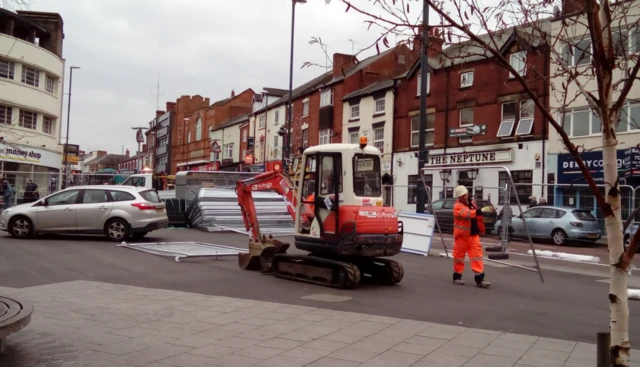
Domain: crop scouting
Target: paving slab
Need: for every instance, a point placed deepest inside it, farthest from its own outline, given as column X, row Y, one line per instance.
column 90, row 324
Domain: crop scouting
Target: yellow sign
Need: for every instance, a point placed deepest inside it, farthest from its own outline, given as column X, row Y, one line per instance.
column 71, row 158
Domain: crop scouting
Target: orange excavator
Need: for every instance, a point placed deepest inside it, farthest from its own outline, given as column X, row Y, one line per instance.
column 339, row 219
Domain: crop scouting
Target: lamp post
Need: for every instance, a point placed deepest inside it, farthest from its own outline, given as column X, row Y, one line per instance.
column 66, row 144
column 286, row 141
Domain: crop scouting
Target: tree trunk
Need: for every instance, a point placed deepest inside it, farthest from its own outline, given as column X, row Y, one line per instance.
column 618, row 300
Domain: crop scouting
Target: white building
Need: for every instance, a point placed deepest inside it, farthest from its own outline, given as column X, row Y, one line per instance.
column 228, row 138
column 269, row 113
column 31, row 90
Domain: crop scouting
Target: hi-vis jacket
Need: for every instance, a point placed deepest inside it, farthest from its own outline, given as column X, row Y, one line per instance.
column 462, row 217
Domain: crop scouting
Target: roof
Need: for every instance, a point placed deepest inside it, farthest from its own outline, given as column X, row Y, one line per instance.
column 360, row 65
column 275, row 91
column 375, row 87
column 108, row 159
column 257, row 97
column 233, row 121
column 324, row 148
column 304, row 88
column 222, row 101
column 24, row 20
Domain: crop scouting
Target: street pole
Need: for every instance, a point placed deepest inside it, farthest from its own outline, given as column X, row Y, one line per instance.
column 286, row 141
column 424, row 59
column 66, row 144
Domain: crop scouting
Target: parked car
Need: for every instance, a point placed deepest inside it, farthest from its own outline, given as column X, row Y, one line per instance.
column 559, row 224
column 629, row 232
column 443, row 209
column 119, row 212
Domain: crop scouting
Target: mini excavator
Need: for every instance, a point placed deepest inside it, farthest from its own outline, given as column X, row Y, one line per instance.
column 339, row 219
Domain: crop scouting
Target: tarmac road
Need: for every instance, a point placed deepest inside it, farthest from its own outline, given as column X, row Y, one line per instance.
column 568, row 305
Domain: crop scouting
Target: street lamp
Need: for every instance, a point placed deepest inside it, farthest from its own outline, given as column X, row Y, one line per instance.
column 445, row 174
column 286, row 141
column 66, row 144
column 473, row 173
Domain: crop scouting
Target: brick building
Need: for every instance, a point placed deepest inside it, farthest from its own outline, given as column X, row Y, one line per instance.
column 195, row 120
column 466, row 90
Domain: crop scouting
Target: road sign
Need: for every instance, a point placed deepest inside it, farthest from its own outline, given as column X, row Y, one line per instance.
column 467, row 131
column 139, row 136
column 215, row 147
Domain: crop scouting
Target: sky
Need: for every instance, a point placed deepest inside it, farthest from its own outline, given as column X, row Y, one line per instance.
column 205, row 47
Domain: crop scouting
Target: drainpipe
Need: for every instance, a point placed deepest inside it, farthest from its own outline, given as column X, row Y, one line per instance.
column 394, row 90
column 446, row 129
column 545, row 122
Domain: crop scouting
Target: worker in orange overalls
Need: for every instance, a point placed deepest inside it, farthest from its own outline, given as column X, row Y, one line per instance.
column 467, row 226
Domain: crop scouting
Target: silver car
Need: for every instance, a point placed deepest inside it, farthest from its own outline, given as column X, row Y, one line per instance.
column 559, row 224
column 119, row 212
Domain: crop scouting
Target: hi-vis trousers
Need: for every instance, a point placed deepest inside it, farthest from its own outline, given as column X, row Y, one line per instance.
column 470, row 245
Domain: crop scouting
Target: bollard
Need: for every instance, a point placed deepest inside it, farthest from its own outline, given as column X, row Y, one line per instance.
column 604, row 346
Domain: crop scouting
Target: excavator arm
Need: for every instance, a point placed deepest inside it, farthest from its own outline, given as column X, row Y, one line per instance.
column 261, row 248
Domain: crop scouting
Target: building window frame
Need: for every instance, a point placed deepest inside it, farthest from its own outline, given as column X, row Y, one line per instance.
column 378, row 139
column 50, row 84
column 412, row 187
column 379, row 105
column 518, row 61
column 523, row 179
column 419, row 79
column 466, row 79
column 28, row 119
column 326, row 98
column 506, row 122
column 527, row 116
column 464, row 122
column 199, row 129
column 6, row 113
column 30, row 76
column 354, row 137
column 305, row 108
column 276, row 116
column 48, row 124
column 262, row 121
column 228, row 151
column 354, row 112
column 7, row 69
column 429, row 131
column 305, row 138
column 324, row 136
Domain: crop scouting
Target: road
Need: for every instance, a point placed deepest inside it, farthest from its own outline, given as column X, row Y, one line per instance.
column 571, row 304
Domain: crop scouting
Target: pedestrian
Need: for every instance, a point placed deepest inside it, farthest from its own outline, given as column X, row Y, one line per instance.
column 533, row 202
column 8, row 193
column 31, row 192
column 542, row 201
column 468, row 224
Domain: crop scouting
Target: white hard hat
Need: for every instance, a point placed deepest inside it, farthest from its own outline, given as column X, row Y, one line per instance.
column 461, row 190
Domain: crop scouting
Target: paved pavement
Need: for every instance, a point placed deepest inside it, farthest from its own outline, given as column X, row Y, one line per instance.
column 569, row 305
column 82, row 323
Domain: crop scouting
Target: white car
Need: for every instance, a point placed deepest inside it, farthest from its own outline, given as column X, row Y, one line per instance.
column 119, row 212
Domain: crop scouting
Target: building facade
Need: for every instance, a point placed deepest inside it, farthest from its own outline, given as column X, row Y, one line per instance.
column 229, row 138
column 31, row 92
column 162, row 162
column 269, row 113
column 477, row 115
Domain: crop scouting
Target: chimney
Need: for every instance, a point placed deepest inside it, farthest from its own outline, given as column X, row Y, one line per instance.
column 342, row 63
column 570, row 7
column 159, row 113
column 171, row 107
column 233, row 93
column 436, row 41
column 127, row 153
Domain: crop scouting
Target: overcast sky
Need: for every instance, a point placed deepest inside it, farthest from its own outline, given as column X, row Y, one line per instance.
column 205, row 47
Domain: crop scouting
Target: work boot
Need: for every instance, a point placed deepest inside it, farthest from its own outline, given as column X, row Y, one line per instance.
column 457, row 279
column 480, row 282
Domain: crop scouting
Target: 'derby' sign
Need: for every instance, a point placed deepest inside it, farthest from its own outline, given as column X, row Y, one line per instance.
column 495, row 156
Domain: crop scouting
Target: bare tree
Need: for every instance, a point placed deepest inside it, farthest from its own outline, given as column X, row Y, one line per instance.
column 593, row 50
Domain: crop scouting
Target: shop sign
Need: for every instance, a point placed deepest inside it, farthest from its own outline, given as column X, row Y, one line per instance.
column 139, row 136
column 631, row 162
column 69, row 158
column 468, row 131
column 27, row 155
column 486, row 157
column 569, row 172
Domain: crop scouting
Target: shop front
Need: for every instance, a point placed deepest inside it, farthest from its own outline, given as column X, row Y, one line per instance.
column 466, row 166
column 20, row 162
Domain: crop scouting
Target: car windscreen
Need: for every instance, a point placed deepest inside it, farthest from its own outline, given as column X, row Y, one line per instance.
column 584, row 215
column 366, row 175
column 150, row 196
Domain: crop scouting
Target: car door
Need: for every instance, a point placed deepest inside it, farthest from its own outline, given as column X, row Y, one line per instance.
column 92, row 211
column 547, row 222
column 532, row 217
column 58, row 212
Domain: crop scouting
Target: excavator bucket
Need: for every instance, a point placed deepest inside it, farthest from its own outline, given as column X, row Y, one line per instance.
column 260, row 254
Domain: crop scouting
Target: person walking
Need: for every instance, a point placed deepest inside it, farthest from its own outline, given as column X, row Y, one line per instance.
column 8, row 193
column 467, row 226
column 31, row 192
column 533, row 202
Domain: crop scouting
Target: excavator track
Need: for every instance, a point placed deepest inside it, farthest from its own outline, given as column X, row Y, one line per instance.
column 381, row 270
column 316, row 270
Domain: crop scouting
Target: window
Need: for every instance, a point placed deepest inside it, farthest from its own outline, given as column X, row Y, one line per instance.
column 7, row 69
column 519, row 179
column 466, row 79
column 199, row 129
column 63, row 198
column 121, row 196
column 305, row 138
column 94, row 197
column 581, row 122
column 5, row 115
column 326, row 98
column 28, row 119
column 244, row 154
column 305, row 108
column 629, row 118
column 30, row 76
column 366, row 175
column 420, row 81
column 578, row 53
column 228, row 151
column 262, row 121
column 325, row 136
column 216, row 156
column 415, row 130
column 414, row 181
column 354, row 138
column 525, row 124
column 355, row 112
column 532, row 213
column 466, row 119
column 518, row 62
column 244, row 136
column 47, row 125
column 50, row 84
column 380, row 105
column 275, row 141
column 508, row 120
column 378, row 139
column 328, row 180
column 188, row 136
column 277, row 115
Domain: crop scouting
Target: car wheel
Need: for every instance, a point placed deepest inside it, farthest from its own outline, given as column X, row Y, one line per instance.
column 140, row 234
column 559, row 237
column 117, row 230
column 21, row 227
